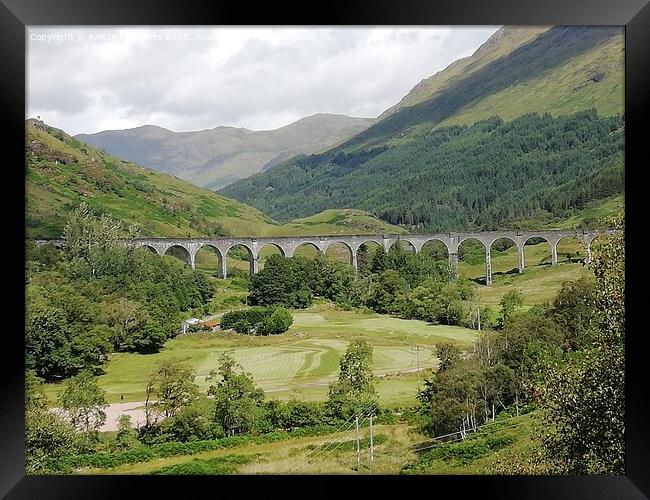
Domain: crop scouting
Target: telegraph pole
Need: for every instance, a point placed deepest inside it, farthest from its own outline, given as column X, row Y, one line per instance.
column 417, row 350
column 372, row 446
column 356, row 421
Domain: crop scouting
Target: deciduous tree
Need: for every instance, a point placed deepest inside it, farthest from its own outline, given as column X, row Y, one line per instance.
column 172, row 386
column 85, row 403
column 238, row 402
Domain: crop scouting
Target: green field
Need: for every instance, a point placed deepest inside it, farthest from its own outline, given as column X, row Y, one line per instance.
column 335, row 221
column 304, row 359
column 539, row 282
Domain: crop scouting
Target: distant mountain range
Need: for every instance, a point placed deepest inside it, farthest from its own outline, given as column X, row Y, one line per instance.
column 215, row 157
column 530, row 127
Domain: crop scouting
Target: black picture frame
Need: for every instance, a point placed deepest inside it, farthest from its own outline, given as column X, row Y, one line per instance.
column 15, row 15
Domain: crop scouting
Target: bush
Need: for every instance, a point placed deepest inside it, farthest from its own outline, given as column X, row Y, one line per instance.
column 212, row 466
column 264, row 320
column 278, row 322
column 242, row 326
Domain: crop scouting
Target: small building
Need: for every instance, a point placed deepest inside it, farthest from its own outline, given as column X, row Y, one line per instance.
column 185, row 326
column 212, row 322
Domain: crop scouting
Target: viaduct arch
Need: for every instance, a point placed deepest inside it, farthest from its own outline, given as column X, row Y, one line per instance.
column 287, row 245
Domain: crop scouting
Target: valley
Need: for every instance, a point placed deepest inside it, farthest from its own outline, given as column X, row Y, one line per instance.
column 253, row 356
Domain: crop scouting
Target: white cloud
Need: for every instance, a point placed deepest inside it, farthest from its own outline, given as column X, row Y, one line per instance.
column 92, row 79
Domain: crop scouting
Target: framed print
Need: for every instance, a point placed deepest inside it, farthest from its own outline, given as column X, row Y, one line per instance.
column 374, row 240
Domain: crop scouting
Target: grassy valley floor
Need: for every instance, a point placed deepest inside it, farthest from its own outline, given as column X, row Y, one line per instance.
column 304, row 359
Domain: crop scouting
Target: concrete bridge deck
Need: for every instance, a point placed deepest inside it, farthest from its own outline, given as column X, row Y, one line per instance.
column 188, row 247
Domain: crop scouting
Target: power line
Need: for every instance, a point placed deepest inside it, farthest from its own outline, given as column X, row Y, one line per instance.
column 372, row 445
column 417, row 349
column 460, row 432
column 325, row 452
column 341, row 443
column 346, row 427
column 369, row 407
column 356, row 421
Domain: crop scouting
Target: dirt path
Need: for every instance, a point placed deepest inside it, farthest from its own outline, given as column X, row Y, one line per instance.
column 113, row 413
column 115, row 410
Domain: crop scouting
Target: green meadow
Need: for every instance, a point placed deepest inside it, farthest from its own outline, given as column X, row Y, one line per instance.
column 301, row 361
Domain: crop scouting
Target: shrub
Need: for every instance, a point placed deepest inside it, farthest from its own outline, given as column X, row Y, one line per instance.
column 212, row 466
column 278, row 322
column 264, row 320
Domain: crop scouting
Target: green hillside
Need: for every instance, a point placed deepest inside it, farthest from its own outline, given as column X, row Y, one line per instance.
column 562, row 70
column 502, row 167
column 500, row 44
column 332, row 221
column 487, row 176
column 581, row 68
column 63, row 171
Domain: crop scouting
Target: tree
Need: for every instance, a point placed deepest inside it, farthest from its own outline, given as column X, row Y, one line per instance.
column 527, row 344
column 584, row 398
column 301, row 414
column 47, row 435
column 573, row 311
column 84, row 402
column 127, row 320
column 89, row 237
column 283, row 281
column 238, row 403
column 173, row 387
column 264, row 320
column 278, row 322
column 354, row 392
column 498, row 388
column 193, row 422
column 423, row 303
column 242, row 326
column 388, row 292
column 450, row 399
column 127, row 436
column 47, row 343
column 509, row 302
column 448, row 354
column 356, row 366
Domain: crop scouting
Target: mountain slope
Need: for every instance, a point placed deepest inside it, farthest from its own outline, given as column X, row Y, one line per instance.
column 500, row 44
column 63, row 171
column 410, row 168
column 597, row 82
column 213, row 158
column 481, row 177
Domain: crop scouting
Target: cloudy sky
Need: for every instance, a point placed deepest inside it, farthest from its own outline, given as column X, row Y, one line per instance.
column 86, row 80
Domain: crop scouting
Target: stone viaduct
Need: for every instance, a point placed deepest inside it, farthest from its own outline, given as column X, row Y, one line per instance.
column 188, row 247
